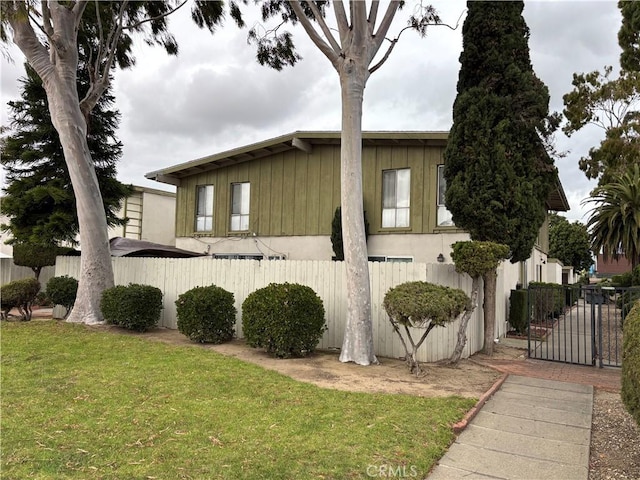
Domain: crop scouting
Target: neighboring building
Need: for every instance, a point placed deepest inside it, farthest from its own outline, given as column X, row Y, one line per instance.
column 151, row 216
column 276, row 199
column 611, row 266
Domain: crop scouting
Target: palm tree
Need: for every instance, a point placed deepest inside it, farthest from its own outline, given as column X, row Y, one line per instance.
column 614, row 225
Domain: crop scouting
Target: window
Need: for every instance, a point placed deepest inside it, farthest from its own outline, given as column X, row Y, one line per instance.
column 443, row 215
column 386, row 258
column 204, row 208
column 240, row 206
column 396, row 189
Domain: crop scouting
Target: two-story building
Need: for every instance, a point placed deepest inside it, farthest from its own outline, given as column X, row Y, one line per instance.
column 276, row 200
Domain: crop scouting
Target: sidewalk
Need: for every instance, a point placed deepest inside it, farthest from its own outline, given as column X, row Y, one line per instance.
column 531, row 428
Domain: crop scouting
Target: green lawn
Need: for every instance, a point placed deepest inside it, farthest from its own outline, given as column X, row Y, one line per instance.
column 83, row 404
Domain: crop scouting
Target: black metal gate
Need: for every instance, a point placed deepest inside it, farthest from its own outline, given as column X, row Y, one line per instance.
column 580, row 325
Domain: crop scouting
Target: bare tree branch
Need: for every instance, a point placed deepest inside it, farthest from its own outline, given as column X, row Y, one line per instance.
column 78, row 11
column 323, row 26
column 373, row 15
column 384, row 26
column 331, row 54
column 47, row 28
column 341, row 20
column 359, row 22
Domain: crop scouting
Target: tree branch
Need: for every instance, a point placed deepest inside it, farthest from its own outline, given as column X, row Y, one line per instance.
column 359, row 22
column 373, row 15
column 341, row 20
column 331, row 54
column 78, row 11
column 380, row 35
column 323, row 26
column 27, row 41
column 157, row 17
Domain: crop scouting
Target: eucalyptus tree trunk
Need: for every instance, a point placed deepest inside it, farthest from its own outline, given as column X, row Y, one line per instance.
column 357, row 344
column 351, row 54
column 96, row 272
column 57, row 66
column 490, row 280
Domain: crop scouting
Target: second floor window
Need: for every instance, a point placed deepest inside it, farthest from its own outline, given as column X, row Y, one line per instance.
column 204, row 208
column 443, row 215
column 396, row 193
column 240, row 194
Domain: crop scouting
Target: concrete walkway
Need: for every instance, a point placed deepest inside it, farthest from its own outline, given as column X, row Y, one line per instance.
column 530, row 429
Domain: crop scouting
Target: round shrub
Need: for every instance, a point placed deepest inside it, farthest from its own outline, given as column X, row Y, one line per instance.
column 418, row 304
column 286, row 319
column 206, row 314
column 63, row 291
column 134, row 307
column 19, row 294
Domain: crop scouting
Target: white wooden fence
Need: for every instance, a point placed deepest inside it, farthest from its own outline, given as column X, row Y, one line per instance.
column 10, row 272
column 241, row 277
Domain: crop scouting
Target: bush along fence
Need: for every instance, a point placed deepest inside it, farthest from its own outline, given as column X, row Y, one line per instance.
column 175, row 276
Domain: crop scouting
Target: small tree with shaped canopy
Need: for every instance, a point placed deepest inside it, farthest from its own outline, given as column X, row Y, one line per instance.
column 422, row 305
column 477, row 259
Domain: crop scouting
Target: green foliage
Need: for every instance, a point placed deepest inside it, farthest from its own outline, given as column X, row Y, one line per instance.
column 206, row 314
column 548, row 300
column 36, row 256
column 614, row 221
column 627, row 300
column 497, row 171
column 39, row 200
column 635, row 276
column 518, row 317
column 477, row 258
column 629, row 36
column 631, row 363
column 286, row 319
column 623, row 280
column 62, row 291
column 612, row 106
column 418, row 304
column 19, row 294
column 569, row 243
column 336, row 233
column 134, row 307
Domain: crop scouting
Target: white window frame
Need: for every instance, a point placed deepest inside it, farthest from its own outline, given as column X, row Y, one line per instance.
column 396, row 204
column 240, row 207
column 390, row 258
column 443, row 215
column 204, row 208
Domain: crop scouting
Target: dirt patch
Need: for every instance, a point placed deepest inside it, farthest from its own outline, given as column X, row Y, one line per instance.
column 467, row 379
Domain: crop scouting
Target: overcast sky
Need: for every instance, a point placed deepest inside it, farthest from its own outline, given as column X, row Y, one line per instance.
column 214, row 96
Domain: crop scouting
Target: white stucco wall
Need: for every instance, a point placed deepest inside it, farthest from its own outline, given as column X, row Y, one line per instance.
column 158, row 217
column 421, row 248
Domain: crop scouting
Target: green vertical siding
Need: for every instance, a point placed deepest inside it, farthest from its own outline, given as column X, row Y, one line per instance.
column 293, row 193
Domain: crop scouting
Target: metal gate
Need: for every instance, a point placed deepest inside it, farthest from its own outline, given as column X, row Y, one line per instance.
column 580, row 325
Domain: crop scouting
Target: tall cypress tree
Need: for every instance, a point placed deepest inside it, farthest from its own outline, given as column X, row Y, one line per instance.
column 39, row 198
column 497, row 171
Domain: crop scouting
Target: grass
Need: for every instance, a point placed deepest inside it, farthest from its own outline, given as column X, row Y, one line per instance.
column 83, row 404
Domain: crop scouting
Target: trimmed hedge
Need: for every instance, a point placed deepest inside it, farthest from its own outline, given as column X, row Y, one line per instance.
column 548, row 300
column 19, row 294
column 631, row 363
column 417, row 304
column 286, row 319
column 518, row 317
column 62, row 291
column 134, row 307
column 206, row 314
